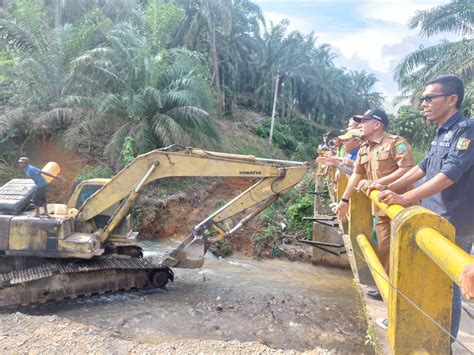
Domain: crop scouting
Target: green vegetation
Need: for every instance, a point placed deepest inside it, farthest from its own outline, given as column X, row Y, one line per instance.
column 454, row 57
column 303, row 207
column 115, row 79
column 222, row 248
column 91, row 172
column 131, row 76
column 296, row 138
column 265, row 240
column 369, row 338
column 411, row 124
column 283, row 220
column 7, row 172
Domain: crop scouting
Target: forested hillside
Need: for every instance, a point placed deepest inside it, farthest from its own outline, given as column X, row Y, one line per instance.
column 115, row 78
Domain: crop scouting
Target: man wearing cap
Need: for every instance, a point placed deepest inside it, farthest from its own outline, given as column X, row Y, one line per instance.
column 39, row 199
column 382, row 158
column 351, row 124
column 447, row 169
column 351, row 142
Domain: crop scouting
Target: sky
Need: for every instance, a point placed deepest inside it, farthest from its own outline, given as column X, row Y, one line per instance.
column 370, row 35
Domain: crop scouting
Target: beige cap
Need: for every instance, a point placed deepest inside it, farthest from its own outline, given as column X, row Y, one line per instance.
column 352, row 133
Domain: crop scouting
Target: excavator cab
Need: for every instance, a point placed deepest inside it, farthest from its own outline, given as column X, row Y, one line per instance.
column 82, row 191
column 23, row 234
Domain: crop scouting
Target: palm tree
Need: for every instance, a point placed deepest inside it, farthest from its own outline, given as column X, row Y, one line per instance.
column 156, row 99
column 40, row 73
column 361, row 90
column 446, row 57
column 237, row 50
column 204, row 22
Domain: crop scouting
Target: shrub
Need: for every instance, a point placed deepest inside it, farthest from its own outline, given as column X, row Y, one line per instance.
column 92, row 172
column 411, row 125
column 303, row 207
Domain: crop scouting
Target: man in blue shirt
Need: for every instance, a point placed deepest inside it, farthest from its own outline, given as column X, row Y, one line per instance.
column 39, row 199
column 448, row 169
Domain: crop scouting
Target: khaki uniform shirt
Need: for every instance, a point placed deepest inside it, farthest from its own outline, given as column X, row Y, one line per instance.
column 379, row 159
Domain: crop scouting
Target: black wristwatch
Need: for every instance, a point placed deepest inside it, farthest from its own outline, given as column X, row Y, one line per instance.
column 345, row 200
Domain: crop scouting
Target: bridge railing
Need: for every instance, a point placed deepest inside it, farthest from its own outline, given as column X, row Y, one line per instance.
column 424, row 262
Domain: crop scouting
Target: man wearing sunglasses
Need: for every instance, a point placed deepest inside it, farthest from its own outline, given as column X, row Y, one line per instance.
column 382, row 158
column 448, row 169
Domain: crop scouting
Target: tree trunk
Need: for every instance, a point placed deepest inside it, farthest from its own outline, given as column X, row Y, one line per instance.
column 215, row 64
column 316, row 114
column 274, row 107
column 58, row 13
column 224, row 104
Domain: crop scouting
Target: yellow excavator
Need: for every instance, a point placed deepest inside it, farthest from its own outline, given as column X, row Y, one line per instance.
column 87, row 246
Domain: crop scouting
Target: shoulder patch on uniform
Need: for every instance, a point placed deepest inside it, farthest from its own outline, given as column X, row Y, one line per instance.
column 463, row 144
column 401, row 148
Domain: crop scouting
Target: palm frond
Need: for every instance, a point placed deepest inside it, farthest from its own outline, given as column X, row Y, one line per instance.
column 114, row 148
column 167, row 130
column 77, row 101
column 456, row 17
column 194, row 119
column 109, row 103
column 59, row 116
column 136, row 106
column 13, row 120
column 17, row 37
column 425, row 63
column 154, row 95
column 177, row 98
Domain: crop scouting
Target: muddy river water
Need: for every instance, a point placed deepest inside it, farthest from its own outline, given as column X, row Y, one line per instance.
column 284, row 305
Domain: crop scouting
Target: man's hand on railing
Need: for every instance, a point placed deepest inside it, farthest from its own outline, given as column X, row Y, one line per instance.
column 467, row 281
column 341, row 210
column 391, row 198
column 374, row 185
column 363, row 184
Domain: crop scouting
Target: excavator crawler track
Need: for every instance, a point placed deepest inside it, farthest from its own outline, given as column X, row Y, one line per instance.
column 68, row 280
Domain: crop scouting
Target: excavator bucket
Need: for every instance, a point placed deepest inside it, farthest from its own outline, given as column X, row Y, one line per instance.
column 189, row 254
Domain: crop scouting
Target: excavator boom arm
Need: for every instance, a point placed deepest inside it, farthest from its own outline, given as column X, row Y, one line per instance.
column 195, row 162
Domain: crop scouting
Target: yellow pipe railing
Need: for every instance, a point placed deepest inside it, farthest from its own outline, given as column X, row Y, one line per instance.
column 448, row 256
column 376, row 268
column 389, row 210
column 424, row 262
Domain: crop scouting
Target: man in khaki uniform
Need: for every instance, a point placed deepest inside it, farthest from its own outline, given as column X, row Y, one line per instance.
column 382, row 158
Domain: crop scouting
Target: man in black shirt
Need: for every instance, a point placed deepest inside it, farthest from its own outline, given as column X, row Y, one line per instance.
column 448, row 169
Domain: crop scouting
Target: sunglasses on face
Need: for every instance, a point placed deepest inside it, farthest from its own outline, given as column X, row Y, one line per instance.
column 429, row 98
